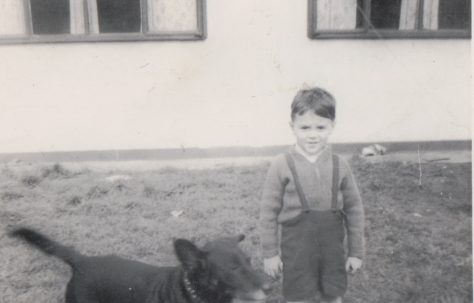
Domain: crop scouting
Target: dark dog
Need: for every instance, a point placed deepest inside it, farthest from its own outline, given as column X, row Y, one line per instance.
column 217, row 273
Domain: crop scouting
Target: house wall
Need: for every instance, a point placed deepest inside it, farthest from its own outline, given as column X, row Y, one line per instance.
column 232, row 89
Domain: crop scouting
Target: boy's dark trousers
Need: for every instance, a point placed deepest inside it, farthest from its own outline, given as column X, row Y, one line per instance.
column 312, row 247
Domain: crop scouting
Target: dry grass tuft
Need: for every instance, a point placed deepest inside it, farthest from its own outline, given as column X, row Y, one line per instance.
column 56, row 171
column 9, row 196
column 31, row 181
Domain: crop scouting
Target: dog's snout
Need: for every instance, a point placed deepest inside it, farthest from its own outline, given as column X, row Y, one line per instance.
column 267, row 287
column 259, row 295
column 253, row 296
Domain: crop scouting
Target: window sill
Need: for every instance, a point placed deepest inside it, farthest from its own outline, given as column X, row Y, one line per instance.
column 391, row 34
column 119, row 37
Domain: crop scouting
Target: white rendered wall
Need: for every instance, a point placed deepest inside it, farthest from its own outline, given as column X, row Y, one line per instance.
column 233, row 89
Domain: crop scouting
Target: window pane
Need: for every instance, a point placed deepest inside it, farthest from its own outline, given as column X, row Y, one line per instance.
column 78, row 17
column 13, row 18
column 409, row 14
column 119, row 16
column 454, row 14
column 385, row 14
column 172, row 15
column 50, row 16
column 336, row 14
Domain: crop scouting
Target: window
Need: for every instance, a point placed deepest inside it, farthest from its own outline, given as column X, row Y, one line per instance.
column 389, row 19
column 30, row 21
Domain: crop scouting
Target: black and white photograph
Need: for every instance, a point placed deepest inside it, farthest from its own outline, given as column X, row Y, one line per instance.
column 246, row 151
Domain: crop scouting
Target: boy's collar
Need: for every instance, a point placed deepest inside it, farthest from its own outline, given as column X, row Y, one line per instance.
column 310, row 158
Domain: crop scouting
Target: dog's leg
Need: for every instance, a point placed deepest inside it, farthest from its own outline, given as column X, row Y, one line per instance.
column 85, row 299
column 70, row 292
column 77, row 293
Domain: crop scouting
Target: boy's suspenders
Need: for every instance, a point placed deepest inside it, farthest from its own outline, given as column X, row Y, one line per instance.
column 335, row 181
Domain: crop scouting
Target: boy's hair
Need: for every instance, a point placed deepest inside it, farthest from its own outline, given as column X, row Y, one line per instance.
column 316, row 99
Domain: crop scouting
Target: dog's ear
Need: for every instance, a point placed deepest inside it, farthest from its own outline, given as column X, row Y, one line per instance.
column 189, row 255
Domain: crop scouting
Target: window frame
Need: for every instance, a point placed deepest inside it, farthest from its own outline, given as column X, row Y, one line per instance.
column 371, row 33
column 30, row 38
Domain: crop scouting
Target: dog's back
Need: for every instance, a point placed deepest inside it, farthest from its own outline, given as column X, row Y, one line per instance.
column 114, row 279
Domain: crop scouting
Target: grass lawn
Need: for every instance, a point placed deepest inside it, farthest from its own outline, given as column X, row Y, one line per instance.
column 418, row 236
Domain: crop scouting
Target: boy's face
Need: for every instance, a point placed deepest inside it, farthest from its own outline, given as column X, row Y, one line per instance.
column 311, row 131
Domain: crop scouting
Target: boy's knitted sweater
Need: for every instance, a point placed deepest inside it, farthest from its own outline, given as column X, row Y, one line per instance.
column 280, row 200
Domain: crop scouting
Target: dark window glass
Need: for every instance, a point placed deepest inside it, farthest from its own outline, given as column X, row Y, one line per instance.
column 454, row 14
column 385, row 14
column 361, row 17
column 119, row 16
column 50, row 16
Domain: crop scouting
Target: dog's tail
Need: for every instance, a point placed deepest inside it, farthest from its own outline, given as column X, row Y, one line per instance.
column 47, row 245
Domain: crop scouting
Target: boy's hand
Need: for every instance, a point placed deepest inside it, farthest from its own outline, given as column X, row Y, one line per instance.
column 353, row 264
column 273, row 266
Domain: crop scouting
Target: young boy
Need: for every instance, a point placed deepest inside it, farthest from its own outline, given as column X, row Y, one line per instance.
column 312, row 195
